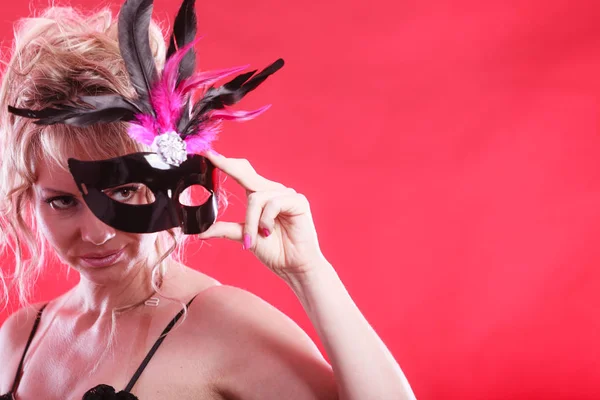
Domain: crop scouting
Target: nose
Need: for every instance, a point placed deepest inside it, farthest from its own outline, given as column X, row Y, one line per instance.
column 93, row 230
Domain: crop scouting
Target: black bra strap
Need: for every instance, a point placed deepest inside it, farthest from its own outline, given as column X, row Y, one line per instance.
column 31, row 335
column 154, row 348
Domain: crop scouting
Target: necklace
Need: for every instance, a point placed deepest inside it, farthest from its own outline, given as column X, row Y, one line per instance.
column 153, row 300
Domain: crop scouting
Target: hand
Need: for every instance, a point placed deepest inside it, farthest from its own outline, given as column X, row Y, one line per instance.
column 278, row 229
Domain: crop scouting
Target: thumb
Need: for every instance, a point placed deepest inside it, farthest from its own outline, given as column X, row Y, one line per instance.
column 224, row 230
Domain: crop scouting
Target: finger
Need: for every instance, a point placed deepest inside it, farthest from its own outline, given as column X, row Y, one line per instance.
column 225, row 230
column 289, row 204
column 256, row 203
column 242, row 172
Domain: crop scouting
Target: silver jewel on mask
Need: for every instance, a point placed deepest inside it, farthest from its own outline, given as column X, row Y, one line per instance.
column 170, row 147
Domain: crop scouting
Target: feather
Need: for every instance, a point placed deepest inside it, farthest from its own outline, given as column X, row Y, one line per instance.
column 206, row 78
column 44, row 114
column 170, row 73
column 226, row 95
column 134, row 44
column 206, row 132
column 100, row 117
column 202, row 142
column 143, row 129
column 185, row 116
column 184, row 32
column 234, row 90
column 168, row 107
column 108, row 109
column 166, row 100
column 261, row 76
column 140, row 134
column 111, row 101
column 239, row 116
column 168, row 93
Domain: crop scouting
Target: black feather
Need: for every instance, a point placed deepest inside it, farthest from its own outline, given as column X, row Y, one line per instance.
column 105, row 109
column 43, row 114
column 261, row 76
column 134, row 44
column 184, row 33
column 112, row 101
column 227, row 95
column 185, row 117
column 100, row 117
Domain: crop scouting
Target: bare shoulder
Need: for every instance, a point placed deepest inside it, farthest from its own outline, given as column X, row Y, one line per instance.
column 225, row 307
column 182, row 282
column 263, row 353
column 13, row 337
column 16, row 329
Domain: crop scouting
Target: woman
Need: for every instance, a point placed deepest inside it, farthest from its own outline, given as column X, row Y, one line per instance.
column 101, row 339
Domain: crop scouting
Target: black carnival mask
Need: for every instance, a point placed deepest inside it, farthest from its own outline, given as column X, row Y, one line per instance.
column 165, row 183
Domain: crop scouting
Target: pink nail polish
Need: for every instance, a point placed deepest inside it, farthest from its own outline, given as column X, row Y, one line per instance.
column 247, row 241
column 266, row 232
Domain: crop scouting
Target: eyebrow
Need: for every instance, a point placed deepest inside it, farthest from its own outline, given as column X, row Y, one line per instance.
column 55, row 191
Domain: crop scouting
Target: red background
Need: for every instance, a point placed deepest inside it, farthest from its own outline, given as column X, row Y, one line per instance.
column 450, row 153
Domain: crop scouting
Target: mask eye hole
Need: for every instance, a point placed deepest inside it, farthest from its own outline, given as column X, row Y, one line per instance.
column 131, row 193
column 194, row 195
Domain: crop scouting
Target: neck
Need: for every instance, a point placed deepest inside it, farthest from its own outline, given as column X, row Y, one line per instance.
column 103, row 298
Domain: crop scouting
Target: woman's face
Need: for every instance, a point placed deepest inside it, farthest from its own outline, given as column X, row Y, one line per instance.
column 95, row 249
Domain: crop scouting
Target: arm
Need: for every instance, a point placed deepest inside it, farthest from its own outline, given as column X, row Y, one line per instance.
column 280, row 231
column 363, row 366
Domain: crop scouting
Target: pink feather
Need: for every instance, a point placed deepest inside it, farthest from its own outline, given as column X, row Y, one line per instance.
column 201, row 140
column 168, row 107
column 231, row 115
column 202, row 79
column 166, row 100
column 200, row 143
column 141, row 134
column 170, row 72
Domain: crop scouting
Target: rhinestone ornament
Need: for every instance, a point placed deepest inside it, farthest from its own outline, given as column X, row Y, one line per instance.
column 170, row 147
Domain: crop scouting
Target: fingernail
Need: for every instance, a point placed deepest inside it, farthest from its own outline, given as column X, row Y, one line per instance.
column 266, row 232
column 247, row 241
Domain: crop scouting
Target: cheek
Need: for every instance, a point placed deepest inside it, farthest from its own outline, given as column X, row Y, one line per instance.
column 58, row 231
column 142, row 245
column 54, row 228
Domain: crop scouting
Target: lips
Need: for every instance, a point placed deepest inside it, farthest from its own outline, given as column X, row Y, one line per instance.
column 103, row 259
column 102, row 254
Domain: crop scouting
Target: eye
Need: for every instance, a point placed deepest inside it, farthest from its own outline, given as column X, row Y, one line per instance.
column 132, row 193
column 61, row 202
column 124, row 193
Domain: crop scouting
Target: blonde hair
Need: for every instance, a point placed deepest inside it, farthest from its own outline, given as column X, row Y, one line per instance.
column 56, row 57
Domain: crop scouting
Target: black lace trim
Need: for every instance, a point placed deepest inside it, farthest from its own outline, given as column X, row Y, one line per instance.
column 106, row 392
